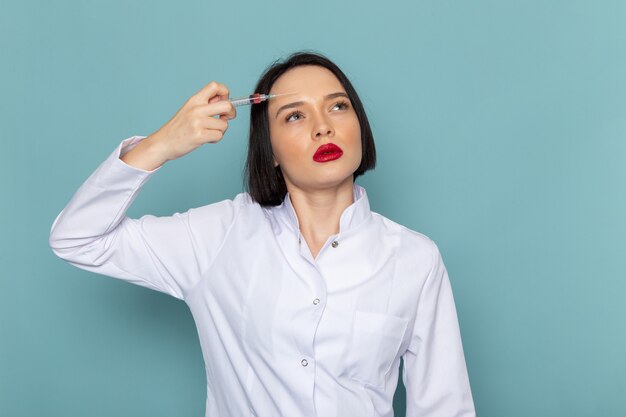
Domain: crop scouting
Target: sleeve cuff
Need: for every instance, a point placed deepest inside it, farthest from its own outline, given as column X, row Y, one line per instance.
column 125, row 146
column 115, row 171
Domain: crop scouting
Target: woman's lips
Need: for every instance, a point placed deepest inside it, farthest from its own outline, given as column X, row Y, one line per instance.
column 327, row 152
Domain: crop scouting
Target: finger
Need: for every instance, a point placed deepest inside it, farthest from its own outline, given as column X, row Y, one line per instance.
column 213, row 135
column 212, row 90
column 217, row 98
column 230, row 115
column 220, row 107
column 215, row 124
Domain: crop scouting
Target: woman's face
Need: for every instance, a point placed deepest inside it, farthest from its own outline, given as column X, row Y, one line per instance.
column 318, row 114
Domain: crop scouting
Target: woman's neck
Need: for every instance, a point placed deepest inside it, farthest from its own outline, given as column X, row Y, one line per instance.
column 319, row 212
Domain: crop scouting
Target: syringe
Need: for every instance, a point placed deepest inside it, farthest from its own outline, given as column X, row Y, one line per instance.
column 254, row 99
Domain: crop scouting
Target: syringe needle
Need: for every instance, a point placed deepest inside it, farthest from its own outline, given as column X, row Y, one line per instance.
column 254, row 99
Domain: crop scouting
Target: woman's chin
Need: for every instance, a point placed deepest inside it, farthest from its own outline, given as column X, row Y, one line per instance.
column 326, row 182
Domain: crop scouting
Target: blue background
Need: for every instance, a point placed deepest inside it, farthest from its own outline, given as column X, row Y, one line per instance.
column 501, row 134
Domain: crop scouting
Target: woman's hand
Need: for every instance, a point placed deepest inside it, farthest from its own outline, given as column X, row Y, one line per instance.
column 191, row 127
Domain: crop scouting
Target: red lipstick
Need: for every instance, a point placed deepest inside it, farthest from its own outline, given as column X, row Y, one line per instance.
column 327, row 152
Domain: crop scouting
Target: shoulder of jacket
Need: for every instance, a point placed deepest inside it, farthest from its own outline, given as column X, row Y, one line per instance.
column 408, row 236
column 241, row 201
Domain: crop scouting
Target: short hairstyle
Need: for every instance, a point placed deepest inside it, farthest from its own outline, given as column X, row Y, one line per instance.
column 264, row 181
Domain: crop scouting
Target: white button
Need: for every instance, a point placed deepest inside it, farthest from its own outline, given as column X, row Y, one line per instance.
column 335, row 244
column 304, row 362
column 316, row 301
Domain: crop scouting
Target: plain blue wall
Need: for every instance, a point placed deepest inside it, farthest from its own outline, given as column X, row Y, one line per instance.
column 501, row 132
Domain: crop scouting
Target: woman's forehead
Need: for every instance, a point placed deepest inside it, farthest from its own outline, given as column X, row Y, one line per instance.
column 306, row 79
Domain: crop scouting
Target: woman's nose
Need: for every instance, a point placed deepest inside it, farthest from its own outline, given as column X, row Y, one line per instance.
column 322, row 128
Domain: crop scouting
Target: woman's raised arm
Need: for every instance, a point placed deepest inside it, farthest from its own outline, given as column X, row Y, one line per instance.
column 167, row 254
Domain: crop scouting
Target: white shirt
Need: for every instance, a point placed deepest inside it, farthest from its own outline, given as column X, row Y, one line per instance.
column 283, row 334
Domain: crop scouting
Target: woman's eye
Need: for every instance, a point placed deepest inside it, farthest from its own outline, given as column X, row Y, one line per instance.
column 291, row 116
column 342, row 105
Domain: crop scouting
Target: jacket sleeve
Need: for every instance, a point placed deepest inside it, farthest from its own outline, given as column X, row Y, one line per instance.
column 166, row 254
column 435, row 373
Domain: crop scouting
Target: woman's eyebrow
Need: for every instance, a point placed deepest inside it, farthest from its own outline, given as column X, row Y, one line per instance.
column 299, row 103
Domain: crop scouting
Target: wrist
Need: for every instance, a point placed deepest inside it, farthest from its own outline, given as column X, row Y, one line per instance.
column 156, row 148
column 147, row 155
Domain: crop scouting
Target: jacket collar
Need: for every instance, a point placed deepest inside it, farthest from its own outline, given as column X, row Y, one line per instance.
column 352, row 217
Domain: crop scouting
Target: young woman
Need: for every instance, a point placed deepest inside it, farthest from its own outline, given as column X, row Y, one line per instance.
column 304, row 299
